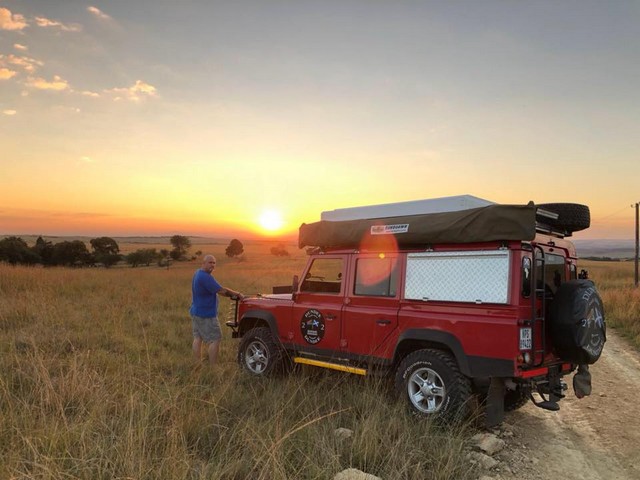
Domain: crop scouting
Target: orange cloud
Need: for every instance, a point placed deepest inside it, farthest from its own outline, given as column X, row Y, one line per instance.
column 6, row 74
column 98, row 13
column 26, row 63
column 9, row 112
column 57, row 84
column 136, row 92
column 45, row 22
column 10, row 21
column 21, row 47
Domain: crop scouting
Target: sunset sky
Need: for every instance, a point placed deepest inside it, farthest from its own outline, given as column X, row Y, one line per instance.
column 152, row 117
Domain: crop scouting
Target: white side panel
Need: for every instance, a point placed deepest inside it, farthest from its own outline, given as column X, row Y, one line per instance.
column 478, row 277
column 416, row 207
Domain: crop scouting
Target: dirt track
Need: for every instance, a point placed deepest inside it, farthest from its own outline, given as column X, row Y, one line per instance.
column 595, row 438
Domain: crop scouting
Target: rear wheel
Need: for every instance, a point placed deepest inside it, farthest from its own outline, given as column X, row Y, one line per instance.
column 259, row 354
column 432, row 385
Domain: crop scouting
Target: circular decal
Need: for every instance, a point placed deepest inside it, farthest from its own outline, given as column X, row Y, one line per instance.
column 312, row 326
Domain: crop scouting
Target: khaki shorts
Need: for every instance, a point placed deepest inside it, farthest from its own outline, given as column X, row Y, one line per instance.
column 207, row 329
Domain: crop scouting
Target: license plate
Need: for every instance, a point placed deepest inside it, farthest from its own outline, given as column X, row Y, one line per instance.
column 525, row 339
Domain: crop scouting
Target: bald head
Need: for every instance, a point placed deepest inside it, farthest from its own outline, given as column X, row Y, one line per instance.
column 208, row 263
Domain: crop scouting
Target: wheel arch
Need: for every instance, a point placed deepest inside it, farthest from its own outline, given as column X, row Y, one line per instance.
column 257, row 318
column 418, row 338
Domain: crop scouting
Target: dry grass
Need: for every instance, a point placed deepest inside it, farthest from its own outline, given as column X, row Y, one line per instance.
column 96, row 383
column 621, row 299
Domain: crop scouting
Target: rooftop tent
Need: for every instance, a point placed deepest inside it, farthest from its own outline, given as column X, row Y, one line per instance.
column 484, row 224
column 414, row 207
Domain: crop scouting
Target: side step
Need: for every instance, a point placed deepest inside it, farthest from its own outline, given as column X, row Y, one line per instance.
column 545, row 404
column 332, row 366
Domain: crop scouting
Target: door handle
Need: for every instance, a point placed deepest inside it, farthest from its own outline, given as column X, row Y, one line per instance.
column 330, row 316
column 383, row 321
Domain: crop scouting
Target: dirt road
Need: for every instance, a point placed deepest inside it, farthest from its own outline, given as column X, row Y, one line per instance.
column 595, row 438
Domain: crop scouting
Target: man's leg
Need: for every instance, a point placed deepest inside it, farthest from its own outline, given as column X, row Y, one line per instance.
column 213, row 351
column 196, row 347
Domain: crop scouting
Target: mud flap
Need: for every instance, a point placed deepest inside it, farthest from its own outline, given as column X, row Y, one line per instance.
column 495, row 402
column 582, row 381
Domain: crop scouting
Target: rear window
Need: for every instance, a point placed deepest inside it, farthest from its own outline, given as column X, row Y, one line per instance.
column 554, row 272
column 377, row 276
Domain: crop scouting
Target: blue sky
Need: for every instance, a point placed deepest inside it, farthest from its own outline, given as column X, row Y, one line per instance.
column 196, row 117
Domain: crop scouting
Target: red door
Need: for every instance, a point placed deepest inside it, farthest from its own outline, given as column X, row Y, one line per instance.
column 318, row 306
column 373, row 302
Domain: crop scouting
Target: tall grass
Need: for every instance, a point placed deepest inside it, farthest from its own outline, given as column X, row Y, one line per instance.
column 96, row 382
column 621, row 299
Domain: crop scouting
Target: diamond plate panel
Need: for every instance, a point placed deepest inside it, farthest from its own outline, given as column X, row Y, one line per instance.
column 479, row 276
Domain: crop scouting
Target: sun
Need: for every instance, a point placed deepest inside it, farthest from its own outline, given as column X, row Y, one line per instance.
column 271, row 220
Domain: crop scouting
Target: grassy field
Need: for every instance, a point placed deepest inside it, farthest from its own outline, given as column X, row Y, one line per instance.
column 96, row 382
column 621, row 299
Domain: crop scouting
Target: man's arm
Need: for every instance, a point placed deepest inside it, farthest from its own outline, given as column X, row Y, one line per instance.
column 227, row 292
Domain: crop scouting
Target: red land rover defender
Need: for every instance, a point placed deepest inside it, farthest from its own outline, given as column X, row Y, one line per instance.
column 455, row 302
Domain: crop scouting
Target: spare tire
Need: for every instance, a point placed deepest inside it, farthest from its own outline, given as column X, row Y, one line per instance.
column 572, row 217
column 577, row 325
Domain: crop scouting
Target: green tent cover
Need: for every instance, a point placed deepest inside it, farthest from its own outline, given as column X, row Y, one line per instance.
column 485, row 224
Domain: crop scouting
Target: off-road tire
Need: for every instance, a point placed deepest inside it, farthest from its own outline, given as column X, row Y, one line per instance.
column 432, row 385
column 577, row 323
column 515, row 399
column 572, row 217
column 259, row 353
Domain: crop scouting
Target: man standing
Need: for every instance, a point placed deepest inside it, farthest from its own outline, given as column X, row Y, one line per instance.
column 204, row 309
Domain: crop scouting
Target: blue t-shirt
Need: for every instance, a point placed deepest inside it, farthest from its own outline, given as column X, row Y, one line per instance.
column 204, row 289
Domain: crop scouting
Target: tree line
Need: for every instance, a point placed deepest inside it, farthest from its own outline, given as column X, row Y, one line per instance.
column 105, row 252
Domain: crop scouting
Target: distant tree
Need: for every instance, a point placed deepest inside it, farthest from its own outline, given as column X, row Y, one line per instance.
column 180, row 246
column 234, row 249
column 70, row 253
column 44, row 249
column 198, row 253
column 164, row 259
column 105, row 251
column 279, row 251
column 143, row 256
column 14, row 250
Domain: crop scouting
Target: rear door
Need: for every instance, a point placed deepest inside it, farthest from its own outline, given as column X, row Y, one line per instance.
column 318, row 306
column 372, row 303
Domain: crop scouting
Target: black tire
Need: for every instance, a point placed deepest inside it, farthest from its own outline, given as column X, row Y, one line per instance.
column 431, row 383
column 577, row 323
column 259, row 354
column 515, row 399
column 572, row 217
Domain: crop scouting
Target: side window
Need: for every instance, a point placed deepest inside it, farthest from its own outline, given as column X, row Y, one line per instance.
column 376, row 277
column 324, row 276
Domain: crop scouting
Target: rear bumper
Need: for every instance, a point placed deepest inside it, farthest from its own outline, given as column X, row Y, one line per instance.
column 543, row 372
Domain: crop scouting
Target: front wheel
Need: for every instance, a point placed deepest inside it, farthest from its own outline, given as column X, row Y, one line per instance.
column 433, row 385
column 259, row 354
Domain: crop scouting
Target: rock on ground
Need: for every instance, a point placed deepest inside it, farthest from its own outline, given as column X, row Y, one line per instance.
column 354, row 474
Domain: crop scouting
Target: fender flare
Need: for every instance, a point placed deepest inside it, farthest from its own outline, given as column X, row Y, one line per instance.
column 470, row 365
column 438, row 337
column 261, row 315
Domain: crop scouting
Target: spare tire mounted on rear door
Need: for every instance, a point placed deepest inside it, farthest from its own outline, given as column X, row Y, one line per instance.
column 577, row 324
